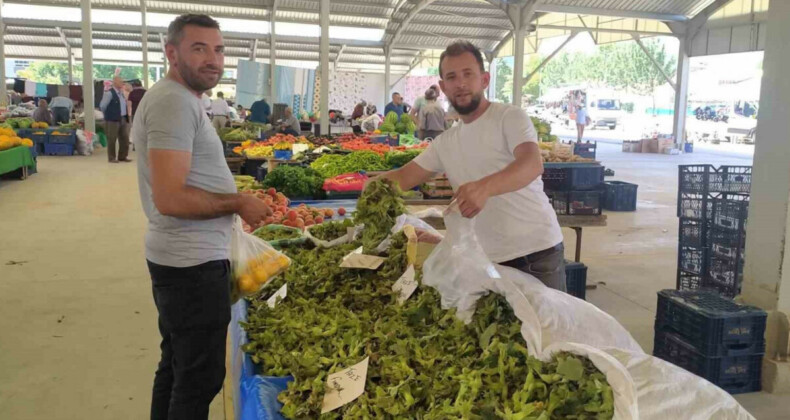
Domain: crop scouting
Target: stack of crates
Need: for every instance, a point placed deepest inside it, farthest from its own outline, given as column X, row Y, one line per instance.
column 574, row 189
column 712, row 208
column 712, row 337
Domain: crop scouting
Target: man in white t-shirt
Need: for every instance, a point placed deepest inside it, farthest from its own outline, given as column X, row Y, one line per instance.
column 220, row 112
column 493, row 163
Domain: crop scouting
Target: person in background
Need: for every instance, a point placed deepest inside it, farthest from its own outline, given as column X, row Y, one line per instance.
column 418, row 103
column 135, row 96
column 42, row 113
column 260, row 112
column 206, row 102
column 581, row 122
column 113, row 105
column 431, row 116
column 372, row 121
column 290, row 124
column 190, row 199
column 61, row 109
column 494, row 165
column 356, row 115
column 242, row 112
column 395, row 106
column 220, row 111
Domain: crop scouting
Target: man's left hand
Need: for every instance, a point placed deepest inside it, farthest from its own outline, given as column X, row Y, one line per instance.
column 471, row 198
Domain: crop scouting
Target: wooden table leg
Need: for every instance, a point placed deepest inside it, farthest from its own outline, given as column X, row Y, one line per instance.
column 578, row 231
column 24, row 173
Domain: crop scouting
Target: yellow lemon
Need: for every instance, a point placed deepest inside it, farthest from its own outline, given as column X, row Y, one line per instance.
column 247, row 284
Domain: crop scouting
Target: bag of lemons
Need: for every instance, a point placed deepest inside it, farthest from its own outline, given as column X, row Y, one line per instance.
column 253, row 262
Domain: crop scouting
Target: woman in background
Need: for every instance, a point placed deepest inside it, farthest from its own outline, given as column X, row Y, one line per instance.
column 431, row 116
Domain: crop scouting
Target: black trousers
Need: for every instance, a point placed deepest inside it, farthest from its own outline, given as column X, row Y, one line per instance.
column 547, row 265
column 194, row 312
column 60, row 115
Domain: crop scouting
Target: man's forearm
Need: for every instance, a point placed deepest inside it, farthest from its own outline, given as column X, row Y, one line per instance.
column 515, row 176
column 196, row 204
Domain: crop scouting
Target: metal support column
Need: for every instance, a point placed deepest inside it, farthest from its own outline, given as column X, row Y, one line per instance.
column 87, row 66
column 3, row 88
column 144, row 33
column 492, row 65
column 324, row 57
column 273, row 56
column 387, row 87
column 681, row 93
column 71, row 66
column 164, row 54
column 518, row 65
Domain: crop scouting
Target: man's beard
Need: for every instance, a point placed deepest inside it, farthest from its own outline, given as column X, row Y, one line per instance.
column 472, row 107
column 193, row 79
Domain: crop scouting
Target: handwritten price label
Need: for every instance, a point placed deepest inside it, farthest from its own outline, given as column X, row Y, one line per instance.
column 356, row 259
column 272, row 301
column 406, row 284
column 345, row 386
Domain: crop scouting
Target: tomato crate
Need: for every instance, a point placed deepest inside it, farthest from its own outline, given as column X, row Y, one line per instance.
column 745, row 369
column 572, row 176
column 620, row 196
column 63, row 136
column 576, row 279
column 693, row 233
column 712, row 324
column 577, row 203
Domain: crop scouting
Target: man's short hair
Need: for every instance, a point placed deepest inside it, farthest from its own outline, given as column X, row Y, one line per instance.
column 175, row 32
column 394, row 94
column 461, row 47
column 220, row 95
column 136, row 83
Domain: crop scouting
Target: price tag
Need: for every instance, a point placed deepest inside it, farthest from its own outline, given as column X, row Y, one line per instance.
column 406, row 284
column 368, row 262
column 345, row 386
column 356, row 251
column 278, row 294
column 299, row 147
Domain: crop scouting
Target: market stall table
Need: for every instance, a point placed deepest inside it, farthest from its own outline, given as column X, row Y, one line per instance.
column 15, row 158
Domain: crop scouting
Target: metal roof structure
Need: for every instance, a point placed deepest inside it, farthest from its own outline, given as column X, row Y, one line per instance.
column 404, row 27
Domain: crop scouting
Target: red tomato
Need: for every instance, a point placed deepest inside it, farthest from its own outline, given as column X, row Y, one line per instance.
column 319, row 220
column 291, row 215
column 341, row 211
column 272, row 192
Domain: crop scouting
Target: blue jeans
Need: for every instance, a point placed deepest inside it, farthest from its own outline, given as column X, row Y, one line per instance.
column 194, row 312
column 548, row 266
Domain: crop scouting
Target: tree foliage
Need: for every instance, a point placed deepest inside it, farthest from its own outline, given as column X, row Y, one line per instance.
column 58, row 73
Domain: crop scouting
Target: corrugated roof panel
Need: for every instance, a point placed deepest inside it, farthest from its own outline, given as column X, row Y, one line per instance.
column 362, row 8
column 477, row 11
column 31, row 31
column 27, row 39
column 671, row 7
column 459, row 31
column 35, row 52
column 225, row 10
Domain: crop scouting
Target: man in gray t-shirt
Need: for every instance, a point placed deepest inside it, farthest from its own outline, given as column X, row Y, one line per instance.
column 189, row 197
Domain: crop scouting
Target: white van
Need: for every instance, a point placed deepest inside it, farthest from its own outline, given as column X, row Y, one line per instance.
column 604, row 110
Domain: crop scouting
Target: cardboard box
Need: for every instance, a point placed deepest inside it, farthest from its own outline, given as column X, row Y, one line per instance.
column 632, row 146
column 657, row 145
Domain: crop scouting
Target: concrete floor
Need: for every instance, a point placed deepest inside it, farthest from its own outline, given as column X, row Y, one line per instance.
column 78, row 337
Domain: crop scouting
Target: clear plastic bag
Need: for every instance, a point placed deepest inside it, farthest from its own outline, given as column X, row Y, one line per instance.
column 253, row 261
column 350, row 236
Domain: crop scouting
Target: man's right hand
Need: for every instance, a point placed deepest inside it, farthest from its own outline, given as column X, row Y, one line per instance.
column 253, row 210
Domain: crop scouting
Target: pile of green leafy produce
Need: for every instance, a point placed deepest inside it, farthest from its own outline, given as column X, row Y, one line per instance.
column 295, row 181
column 20, row 122
column 277, row 232
column 238, row 134
column 396, row 159
column 329, row 231
column 424, row 363
column 332, row 165
column 377, row 208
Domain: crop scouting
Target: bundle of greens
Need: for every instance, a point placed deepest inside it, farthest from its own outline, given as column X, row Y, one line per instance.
column 423, row 362
column 329, row 231
column 294, row 181
column 277, row 232
column 377, row 208
column 396, row 159
column 330, row 165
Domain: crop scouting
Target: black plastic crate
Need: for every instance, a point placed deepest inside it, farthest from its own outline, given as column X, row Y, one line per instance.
column 693, row 233
column 585, row 150
column 731, row 179
column 738, row 386
column 732, row 369
column 63, row 136
column 711, row 323
column 730, row 212
column 691, row 259
column 726, row 244
column 576, row 279
column 577, row 203
column 620, row 196
column 694, row 178
column 572, row 176
column 725, row 275
column 695, row 206
column 689, row 281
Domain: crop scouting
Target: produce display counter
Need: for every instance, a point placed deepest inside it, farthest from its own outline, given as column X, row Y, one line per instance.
column 15, row 158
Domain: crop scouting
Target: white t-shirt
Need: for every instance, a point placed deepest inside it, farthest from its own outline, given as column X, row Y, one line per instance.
column 219, row 107
column 206, row 102
column 510, row 225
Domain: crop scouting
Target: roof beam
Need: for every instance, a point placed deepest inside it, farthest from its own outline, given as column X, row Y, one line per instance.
column 450, row 35
column 339, row 54
column 63, row 37
column 405, row 22
column 698, row 21
column 472, row 17
column 655, row 63
column 605, row 30
column 555, row 8
column 455, row 25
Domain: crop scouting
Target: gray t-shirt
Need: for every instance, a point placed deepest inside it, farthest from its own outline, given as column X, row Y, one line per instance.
column 171, row 117
column 293, row 124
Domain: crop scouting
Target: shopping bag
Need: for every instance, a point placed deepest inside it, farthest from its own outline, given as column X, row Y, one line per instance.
column 253, row 261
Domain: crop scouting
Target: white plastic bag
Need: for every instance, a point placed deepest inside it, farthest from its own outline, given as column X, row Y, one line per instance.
column 253, row 261
column 84, row 145
column 425, row 232
column 458, row 268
